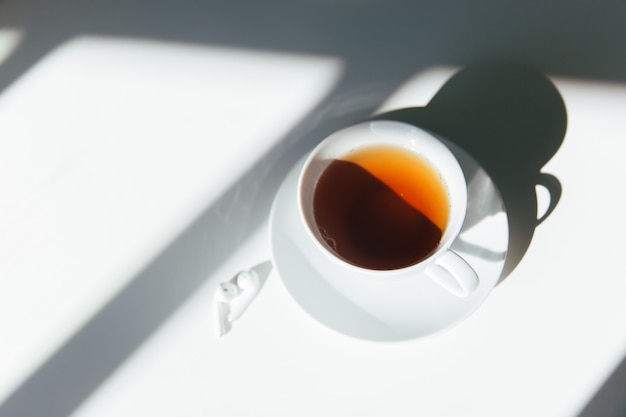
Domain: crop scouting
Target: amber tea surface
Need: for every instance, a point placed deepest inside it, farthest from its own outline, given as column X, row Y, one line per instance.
column 381, row 207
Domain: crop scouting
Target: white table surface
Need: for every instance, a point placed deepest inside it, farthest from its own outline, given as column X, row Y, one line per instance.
column 141, row 145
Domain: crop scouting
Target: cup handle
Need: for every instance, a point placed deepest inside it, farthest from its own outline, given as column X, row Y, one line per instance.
column 454, row 274
column 553, row 186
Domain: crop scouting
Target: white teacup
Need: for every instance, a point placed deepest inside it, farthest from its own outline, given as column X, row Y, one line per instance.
column 440, row 264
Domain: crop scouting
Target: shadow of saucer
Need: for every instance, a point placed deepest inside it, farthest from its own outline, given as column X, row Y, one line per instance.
column 512, row 120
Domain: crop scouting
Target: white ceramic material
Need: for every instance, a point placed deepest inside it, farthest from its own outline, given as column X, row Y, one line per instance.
column 444, row 266
column 389, row 309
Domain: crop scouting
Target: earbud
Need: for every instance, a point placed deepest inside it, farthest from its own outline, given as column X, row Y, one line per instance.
column 227, row 291
column 248, row 286
column 247, row 280
column 233, row 298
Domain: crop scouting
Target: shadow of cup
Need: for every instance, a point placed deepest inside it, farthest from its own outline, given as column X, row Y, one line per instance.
column 512, row 120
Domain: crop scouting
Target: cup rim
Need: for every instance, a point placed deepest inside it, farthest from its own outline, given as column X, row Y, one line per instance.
column 385, row 129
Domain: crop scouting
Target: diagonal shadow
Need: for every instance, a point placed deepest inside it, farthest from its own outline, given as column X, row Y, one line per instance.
column 610, row 399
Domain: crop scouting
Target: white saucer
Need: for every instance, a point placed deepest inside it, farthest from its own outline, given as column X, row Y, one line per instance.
column 483, row 243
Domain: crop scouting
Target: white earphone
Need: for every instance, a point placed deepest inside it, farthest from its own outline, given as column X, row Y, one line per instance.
column 233, row 297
